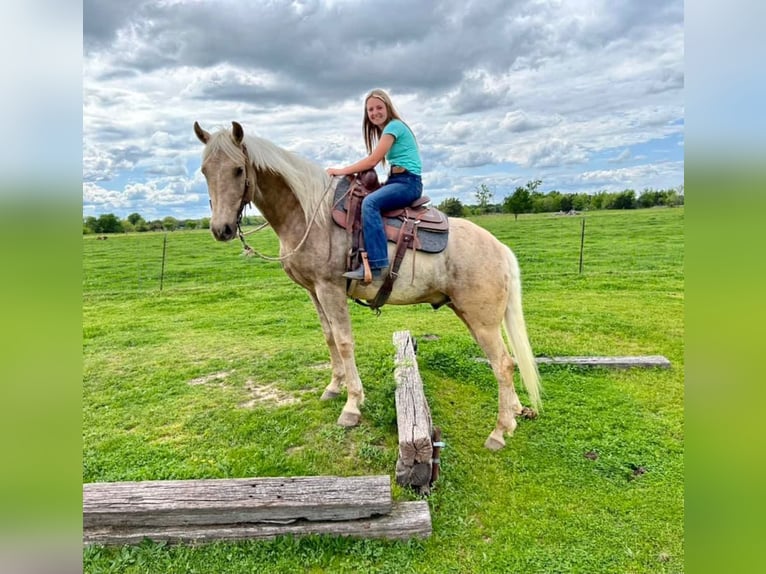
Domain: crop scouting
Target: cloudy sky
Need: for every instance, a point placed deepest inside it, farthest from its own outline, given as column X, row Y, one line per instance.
column 586, row 95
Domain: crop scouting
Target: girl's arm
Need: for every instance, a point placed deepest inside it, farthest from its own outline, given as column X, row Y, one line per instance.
column 369, row 162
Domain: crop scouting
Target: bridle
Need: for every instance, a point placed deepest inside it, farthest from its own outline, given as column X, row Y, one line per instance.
column 247, row 195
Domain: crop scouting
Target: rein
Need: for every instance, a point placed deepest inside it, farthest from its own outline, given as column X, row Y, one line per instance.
column 249, row 251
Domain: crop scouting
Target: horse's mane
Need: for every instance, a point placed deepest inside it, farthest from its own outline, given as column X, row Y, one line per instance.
column 308, row 181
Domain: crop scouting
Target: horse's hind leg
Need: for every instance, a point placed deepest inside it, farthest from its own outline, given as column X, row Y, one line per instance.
column 508, row 401
column 490, row 339
column 333, row 390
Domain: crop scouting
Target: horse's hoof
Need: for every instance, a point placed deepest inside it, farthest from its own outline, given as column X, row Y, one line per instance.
column 528, row 413
column 348, row 419
column 493, row 444
column 329, row 395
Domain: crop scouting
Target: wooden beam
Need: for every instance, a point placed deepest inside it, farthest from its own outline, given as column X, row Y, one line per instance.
column 646, row 361
column 413, row 417
column 406, row 520
column 227, row 501
column 612, row 362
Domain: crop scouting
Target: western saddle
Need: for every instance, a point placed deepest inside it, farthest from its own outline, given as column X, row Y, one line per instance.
column 417, row 227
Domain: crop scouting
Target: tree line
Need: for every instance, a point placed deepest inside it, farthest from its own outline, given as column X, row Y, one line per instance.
column 110, row 223
column 526, row 199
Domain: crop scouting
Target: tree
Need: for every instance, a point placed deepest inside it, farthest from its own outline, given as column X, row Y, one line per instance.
column 108, row 223
column 552, row 201
column 671, row 198
column 601, row 200
column 533, row 184
column 625, row 200
column 567, row 202
column 452, row 207
column 170, row 223
column 90, row 225
column 134, row 218
column 650, row 198
column 523, row 198
column 580, row 201
column 519, row 202
column 484, row 197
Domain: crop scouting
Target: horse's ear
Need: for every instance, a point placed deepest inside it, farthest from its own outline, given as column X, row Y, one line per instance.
column 237, row 132
column 202, row 135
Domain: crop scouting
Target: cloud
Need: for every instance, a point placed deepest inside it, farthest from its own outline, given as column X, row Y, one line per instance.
column 521, row 121
column 495, row 91
column 477, row 92
column 626, row 177
column 555, row 152
column 623, row 156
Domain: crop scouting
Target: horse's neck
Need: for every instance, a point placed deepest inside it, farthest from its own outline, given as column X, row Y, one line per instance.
column 279, row 206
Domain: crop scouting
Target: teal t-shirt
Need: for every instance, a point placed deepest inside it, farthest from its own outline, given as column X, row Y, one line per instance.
column 404, row 151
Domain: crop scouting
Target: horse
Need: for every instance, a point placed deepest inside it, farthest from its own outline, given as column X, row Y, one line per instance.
column 476, row 275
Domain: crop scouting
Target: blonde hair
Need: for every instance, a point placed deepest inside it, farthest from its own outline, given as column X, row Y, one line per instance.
column 372, row 132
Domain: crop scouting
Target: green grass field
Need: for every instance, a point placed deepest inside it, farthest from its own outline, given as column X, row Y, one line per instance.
column 219, row 375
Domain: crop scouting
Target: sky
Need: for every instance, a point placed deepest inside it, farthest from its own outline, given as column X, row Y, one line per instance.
column 584, row 95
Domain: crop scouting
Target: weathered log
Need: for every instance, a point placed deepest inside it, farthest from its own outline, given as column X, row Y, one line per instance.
column 645, row 361
column 406, row 520
column 227, row 501
column 613, row 362
column 413, row 417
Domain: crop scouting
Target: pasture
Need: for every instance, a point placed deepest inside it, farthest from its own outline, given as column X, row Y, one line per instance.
column 218, row 375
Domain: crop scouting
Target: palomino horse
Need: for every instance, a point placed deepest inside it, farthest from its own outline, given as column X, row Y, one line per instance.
column 476, row 275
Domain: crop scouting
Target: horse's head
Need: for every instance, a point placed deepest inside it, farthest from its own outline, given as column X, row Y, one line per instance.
column 229, row 178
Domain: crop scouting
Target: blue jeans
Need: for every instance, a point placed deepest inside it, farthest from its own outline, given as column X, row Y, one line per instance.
column 400, row 190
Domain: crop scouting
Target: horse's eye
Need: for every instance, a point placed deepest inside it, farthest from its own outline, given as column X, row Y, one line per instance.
column 238, row 172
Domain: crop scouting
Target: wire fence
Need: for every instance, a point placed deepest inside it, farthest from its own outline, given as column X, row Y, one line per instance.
column 549, row 249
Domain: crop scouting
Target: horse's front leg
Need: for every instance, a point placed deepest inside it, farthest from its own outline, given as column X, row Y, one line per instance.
column 333, row 390
column 332, row 300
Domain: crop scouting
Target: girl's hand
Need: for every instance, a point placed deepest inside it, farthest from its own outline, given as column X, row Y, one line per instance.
column 332, row 171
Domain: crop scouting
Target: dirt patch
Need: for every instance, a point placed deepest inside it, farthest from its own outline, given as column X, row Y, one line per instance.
column 257, row 393
column 261, row 393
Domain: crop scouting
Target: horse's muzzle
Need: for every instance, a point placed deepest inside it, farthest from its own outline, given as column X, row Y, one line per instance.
column 225, row 232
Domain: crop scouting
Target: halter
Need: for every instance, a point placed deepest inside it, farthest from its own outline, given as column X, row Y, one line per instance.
column 246, row 195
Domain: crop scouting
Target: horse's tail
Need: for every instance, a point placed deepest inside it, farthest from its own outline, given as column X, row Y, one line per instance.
column 516, row 332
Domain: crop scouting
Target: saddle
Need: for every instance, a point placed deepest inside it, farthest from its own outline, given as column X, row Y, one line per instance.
column 417, row 226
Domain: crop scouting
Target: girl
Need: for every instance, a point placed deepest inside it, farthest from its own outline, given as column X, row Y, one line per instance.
column 390, row 140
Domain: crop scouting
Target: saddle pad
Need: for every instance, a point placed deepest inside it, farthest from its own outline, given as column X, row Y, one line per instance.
column 427, row 241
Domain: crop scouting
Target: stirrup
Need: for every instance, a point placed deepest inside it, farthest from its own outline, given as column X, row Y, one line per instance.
column 356, row 275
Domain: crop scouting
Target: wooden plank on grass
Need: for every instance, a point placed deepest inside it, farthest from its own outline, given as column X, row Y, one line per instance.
column 406, row 520
column 227, row 501
column 612, row 362
column 413, row 417
column 646, row 361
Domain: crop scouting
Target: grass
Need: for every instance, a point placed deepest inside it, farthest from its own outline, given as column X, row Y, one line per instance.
column 154, row 409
